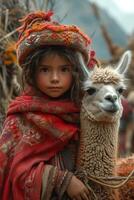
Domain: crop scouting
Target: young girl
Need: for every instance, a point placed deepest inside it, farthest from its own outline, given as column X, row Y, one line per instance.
column 38, row 145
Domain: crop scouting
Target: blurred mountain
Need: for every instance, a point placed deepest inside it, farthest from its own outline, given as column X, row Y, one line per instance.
column 124, row 17
column 81, row 13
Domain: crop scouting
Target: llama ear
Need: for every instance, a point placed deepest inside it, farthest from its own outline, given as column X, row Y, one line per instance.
column 83, row 70
column 124, row 62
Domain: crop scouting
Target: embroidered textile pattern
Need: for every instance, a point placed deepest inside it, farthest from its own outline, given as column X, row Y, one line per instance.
column 34, row 132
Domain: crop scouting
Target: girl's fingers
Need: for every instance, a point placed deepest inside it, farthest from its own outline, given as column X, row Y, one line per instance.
column 84, row 196
column 88, row 192
column 78, row 198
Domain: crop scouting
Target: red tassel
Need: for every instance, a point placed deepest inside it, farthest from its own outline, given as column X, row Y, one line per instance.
column 92, row 61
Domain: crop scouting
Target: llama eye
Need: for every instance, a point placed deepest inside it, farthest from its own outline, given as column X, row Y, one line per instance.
column 91, row 90
column 120, row 90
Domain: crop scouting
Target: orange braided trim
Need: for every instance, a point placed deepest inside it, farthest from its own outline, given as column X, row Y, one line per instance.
column 46, row 16
column 55, row 28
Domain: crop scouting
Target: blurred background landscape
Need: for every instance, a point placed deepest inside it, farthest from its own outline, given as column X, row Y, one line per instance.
column 109, row 24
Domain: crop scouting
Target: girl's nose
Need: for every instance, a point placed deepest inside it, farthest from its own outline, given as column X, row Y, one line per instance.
column 55, row 77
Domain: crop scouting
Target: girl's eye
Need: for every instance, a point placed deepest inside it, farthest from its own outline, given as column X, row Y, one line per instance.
column 66, row 69
column 44, row 70
column 121, row 90
column 91, row 90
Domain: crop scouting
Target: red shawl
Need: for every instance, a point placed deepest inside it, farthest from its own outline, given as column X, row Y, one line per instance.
column 35, row 130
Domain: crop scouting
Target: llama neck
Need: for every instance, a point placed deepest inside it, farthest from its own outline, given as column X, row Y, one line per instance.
column 97, row 151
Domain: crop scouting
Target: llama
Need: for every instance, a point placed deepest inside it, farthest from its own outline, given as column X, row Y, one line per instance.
column 101, row 110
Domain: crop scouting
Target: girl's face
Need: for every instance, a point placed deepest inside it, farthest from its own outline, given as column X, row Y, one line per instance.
column 54, row 75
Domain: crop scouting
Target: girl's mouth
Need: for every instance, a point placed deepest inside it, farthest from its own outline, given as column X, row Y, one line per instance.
column 54, row 88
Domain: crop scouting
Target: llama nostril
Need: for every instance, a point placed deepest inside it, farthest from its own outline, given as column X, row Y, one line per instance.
column 111, row 98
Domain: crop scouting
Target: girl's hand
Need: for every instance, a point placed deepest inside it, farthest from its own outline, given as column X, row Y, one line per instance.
column 77, row 190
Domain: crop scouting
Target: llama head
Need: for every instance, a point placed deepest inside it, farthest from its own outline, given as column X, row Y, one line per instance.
column 103, row 88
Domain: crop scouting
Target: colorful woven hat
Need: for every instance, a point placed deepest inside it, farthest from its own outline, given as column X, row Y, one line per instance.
column 38, row 31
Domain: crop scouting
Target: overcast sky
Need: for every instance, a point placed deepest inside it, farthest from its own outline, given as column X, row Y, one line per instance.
column 121, row 10
column 125, row 6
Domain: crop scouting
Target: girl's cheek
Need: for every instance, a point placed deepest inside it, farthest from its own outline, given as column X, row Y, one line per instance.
column 41, row 79
column 70, row 81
